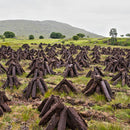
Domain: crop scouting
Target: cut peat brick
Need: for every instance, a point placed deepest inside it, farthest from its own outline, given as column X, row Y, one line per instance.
column 15, row 69
column 71, row 71
column 123, row 77
column 65, row 86
column 60, row 117
column 97, row 84
column 96, row 71
column 115, row 64
column 11, row 81
column 34, row 84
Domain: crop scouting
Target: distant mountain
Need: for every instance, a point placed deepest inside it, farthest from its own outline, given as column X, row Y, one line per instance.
column 24, row 28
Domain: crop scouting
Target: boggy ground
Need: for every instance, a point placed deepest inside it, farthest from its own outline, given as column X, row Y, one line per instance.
column 97, row 112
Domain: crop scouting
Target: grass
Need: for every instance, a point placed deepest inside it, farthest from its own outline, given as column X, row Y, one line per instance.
column 89, row 42
column 48, row 93
column 26, row 113
column 104, row 108
column 99, row 98
column 19, row 115
column 123, row 115
column 121, row 98
column 6, row 118
column 106, row 126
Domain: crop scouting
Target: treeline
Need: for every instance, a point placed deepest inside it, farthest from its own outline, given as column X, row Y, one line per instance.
column 53, row 35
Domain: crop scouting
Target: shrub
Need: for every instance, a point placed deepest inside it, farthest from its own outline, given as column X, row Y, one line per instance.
column 9, row 34
column 81, row 35
column 75, row 37
column 41, row 37
column 56, row 35
column 31, row 37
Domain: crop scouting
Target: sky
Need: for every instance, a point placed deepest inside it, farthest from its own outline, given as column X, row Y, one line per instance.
column 97, row 16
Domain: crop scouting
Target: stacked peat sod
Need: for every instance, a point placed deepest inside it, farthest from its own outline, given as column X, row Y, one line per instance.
column 106, row 51
column 13, row 70
column 100, row 86
column 51, row 52
column 55, row 63
column 95, row 55
column 65, row 53
column 29, row 54
column 73, row 49
column 83, row 59
column 36, row 72
column 65, row 86
column 118, row 51
column 3, row 103
column 123, row 77
column 73, row 61
column 25, row 46
column 34, row 85
column 96, row 71
column 9, row 53
column 4, row 50
column 56, row 115
column 40, row 65
column 71, row 69
column 21, row 54
column 96, row 58
column 40, row 46
column 37, row 82
column 16, row 56
column 11, row 81
column 115, row 64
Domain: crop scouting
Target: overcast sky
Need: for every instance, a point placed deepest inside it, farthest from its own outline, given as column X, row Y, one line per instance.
column 96, row 16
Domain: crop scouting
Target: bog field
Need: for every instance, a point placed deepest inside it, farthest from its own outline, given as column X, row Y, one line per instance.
column 64, row 84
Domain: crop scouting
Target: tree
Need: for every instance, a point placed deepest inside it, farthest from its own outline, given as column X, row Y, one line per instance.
column 81, row 35
column 56, row 35
column 53, row 35
column 113, row 34
column 9, row 34
column 75, row 37
column 128, row 34
column 122, row 35
column 31, row 37
column 41, row 37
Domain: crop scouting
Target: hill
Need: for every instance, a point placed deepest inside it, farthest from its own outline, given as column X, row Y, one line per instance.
column 23, row 28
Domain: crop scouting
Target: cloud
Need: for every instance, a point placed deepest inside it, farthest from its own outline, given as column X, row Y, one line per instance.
column 95, row 16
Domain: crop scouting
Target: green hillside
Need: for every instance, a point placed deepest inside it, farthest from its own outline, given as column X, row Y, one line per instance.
column 23, row 28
